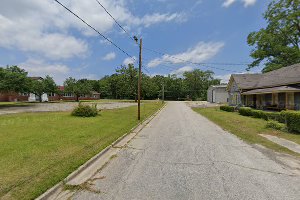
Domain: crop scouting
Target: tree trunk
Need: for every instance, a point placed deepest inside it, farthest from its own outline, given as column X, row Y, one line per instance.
column 77, row 98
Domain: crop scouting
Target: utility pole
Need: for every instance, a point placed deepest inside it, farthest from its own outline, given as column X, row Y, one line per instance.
column 163, row 93
column 140, row 80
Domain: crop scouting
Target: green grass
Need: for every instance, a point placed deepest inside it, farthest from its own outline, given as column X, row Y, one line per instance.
column 118, row 100
column 14, row 104
column 248, row 128
column 37, row 150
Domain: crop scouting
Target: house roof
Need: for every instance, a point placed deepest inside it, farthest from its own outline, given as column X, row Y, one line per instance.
column 218, row 86
column 283, row 76
column 273, row 90
column 61, row 88
column 247, row 81
column 36, row 78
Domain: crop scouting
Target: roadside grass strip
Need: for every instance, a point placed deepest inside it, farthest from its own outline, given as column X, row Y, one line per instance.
column 248, row 128
column 37, row 150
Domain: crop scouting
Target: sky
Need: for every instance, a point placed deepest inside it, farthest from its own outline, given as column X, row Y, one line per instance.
column 45, row 39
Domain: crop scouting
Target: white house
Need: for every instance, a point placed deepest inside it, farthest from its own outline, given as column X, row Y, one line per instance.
column 217, row 94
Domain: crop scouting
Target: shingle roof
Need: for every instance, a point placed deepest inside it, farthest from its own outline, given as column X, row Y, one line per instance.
column 283, row 76
column 274, row 89
column 247, row 81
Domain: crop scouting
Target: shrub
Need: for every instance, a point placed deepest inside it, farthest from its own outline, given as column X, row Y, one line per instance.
column 227, row 108
column 276, row 125
column 276, row 116
column 245, row 111
column 292, row 119
column 259, row 114
column 85, row 111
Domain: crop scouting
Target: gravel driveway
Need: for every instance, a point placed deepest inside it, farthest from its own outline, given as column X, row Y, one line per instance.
column 182, row 155
column 54, row 107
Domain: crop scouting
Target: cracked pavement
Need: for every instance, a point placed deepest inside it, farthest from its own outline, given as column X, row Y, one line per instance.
column 182, row 155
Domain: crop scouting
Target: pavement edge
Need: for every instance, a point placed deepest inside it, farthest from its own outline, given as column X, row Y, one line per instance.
column 136, row 129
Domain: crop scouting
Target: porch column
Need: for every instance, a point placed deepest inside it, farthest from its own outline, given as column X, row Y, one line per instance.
column 289, row 97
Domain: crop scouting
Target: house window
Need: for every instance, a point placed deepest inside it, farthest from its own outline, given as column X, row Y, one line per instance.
column 51, row 94
column 83, row 95
column 68, row 94
column 24, row 94
column 297, row 101
column 268, row 99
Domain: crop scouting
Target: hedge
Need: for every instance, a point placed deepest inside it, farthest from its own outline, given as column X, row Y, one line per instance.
column 227, row 108
column 277, row 116
column 292, row 119
column 276, row 125
column 259, row 114
column 245, row 111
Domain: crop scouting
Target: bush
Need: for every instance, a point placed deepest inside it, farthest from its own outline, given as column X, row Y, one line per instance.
column 276, row 125
column 292, row 119
column 227, row 108
column 245, row 111
column 259, row 114
column 276, row 116
column 85, row 111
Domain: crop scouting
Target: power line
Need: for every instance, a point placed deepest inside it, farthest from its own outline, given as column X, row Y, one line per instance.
column 111, row 42
column 121, row 27
column 194, row 63
column 164, row 54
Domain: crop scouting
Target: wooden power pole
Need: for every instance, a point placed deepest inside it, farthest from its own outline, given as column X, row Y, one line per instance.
column 163, row 93
column 140, row 80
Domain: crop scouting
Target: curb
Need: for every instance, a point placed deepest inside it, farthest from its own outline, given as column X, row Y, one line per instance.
column 136, row 128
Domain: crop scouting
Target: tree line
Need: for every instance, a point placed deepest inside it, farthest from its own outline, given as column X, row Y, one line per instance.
column 122, row 84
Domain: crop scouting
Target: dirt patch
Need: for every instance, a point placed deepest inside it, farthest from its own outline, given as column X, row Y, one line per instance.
column 56, row 107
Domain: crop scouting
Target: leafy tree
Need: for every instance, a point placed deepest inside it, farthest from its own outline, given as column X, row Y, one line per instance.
column 197, row 83
column 14, row 79
column 128, row 79
column 104, row 87
column 95, row 85
column 278, row 43
column 42, row 86
column 78, row 87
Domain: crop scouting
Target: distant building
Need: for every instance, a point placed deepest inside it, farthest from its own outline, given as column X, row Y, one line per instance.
column 13, row 96
column 217, row 94
column 68, row 96
column 61, row 95
column 276, row 90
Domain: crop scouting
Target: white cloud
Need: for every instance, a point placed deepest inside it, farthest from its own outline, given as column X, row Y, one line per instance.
column 247, row 3
column 128, row 61
column 201, row 52
column 228, row 3
column 181, row 70
column 156, row 18
column 45, row 28
column 37, row 67
column 109, row 56
column 224, row 78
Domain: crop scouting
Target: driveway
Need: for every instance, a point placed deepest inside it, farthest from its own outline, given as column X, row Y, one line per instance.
column 56, row 107
column 182, row 155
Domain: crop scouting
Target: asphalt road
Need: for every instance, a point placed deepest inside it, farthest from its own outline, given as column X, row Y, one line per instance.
column 182, row 155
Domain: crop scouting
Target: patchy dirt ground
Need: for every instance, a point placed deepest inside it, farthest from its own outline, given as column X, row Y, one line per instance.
column 55, row 107
column 201, row 104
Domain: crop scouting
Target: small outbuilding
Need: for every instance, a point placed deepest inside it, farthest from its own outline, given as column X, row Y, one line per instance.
column 217, row 94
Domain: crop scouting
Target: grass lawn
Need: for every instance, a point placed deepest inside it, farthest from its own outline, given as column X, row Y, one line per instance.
column 248, row 128
column 14, row 104
column 37, row 150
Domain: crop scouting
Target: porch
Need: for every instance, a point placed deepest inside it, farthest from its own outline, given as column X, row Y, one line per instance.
column 277, row 98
